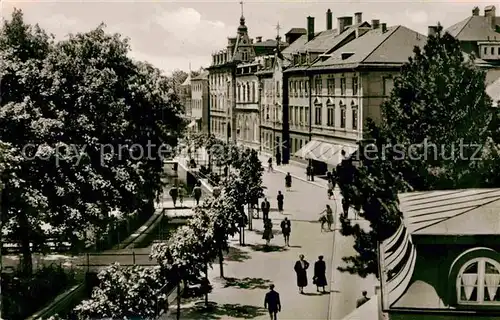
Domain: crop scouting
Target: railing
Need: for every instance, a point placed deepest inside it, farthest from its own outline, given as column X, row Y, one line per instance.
column 92, row 260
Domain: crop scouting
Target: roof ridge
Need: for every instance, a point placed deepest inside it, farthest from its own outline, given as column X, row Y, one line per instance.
column 380, row 44
column 463, row 27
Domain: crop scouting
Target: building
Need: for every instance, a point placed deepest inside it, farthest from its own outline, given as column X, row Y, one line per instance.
column 444, row 260
column 271, row 93
column 185, row 97
column 480, row 35
column 200, row 101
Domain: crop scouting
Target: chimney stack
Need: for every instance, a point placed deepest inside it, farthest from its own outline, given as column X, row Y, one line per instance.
column 475, row 11
column 431, row 31
column 375, row 24
column 343, row 23
column 329, row 21
column 258, row 39
column 384, row 27
column 489, row 12
column 358, row 17
column 310, row 28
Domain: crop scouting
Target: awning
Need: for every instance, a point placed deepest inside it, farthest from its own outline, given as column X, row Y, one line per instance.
column 192, row 124
column 327, row 152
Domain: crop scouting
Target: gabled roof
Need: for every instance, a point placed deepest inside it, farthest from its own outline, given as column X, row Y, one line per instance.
column 474, row 28
column 449, row 212
column 394, row 46
column 270, row 43
column 202, row 76
column 187, row 82
column 297, row 31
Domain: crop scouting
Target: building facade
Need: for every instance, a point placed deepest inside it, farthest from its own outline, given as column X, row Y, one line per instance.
column 247, row 104
column 200, row 101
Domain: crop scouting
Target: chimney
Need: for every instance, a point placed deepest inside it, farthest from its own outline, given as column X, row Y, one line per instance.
column 310, row 28
column 358, row 18
column 475, row 11
column 431, row 31
column 489, row 12
column 329, row 21
column 258, row 39
column 375, row 24
column 384, row 27
column 343, row 23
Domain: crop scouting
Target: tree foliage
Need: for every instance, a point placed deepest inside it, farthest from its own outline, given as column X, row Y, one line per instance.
column 85, row 124
column 125, row 293
column 438, row 104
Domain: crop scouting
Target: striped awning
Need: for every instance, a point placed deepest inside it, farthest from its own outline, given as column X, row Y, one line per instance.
column 327, row 152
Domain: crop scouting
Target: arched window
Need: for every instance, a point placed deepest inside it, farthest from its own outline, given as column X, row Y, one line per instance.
column 239, row 93
column 478, row 282
column 248, row 92
column 253, row 92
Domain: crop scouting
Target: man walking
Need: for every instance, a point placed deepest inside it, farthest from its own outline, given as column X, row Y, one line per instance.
column 280, row 198
column 265, row 207
column 272, row 303
column 197, row 194
column 174, row 193
column 286, row 229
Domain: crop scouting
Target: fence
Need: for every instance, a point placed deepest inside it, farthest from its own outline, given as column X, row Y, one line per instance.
column 92, row 261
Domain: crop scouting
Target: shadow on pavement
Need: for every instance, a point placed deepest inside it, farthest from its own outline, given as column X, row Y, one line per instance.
column 248, row 283
column 314, row 294
column 275, row 232
column 237, row 255
column 264, row 248
column 224, row 311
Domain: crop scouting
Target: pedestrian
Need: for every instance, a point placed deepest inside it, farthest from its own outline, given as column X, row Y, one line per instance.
column 268, row 231
column 265, row 207
column 301, row 270
column 319, row 278
column 280, row 199
column 288, row 181
column 361, row 301
column 308, row 172
column 197, row 194
column 326, row 218
column 286, row 229
column 255, row 205
column 272, row 303
column 311, row 172
column 330, row 189
column 181, row 195
column 278, row 158
column 174, row 193
column 345, row 207
column 328, row 176
column 270, row 165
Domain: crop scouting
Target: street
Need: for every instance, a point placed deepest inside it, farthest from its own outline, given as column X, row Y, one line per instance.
column 250, row 269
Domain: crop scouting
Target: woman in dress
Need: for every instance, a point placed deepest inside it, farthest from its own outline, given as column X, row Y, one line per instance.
column 319, row 278
column 268, row 231
column 301, row 270
column 288, row 181
column 326, row 218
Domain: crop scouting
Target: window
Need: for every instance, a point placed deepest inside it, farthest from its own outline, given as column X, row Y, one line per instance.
column 307, row 89
column 354, row 118
column 318, row 85
column 342, row 116
column 478, row 282
column 248, row 92
column 317, row 114
column 354, row 86
column 296, row 116
column 498, row 51
column 301, row 116
column 306, row 115
column 301, row 88
column 331, row 86
column 342, row 86
column 239, row 93
column 492, row 50
column 278, row 89
column 253, row 91
column 330, row 117
column 295, row 88
column 388, row 85
column 485, row 50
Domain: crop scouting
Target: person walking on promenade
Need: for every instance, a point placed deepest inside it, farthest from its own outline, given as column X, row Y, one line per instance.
column 182, row 193
column 174, row 193
column 326, row 217
column 286, row 229
column 309, row 172
column 265, row 207
column 280, row 198
column 272, row 303
column 319, row 278
column 268, row 231
column 197, row 194
column 301, row 270
column 278, row 158
column 361, row 301
column 288, row 181
column 330, row 189
column 270, row 165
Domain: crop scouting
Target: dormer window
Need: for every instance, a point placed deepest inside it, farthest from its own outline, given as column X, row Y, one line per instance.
column 346, row 55
column 303, row 58
column 478, row 282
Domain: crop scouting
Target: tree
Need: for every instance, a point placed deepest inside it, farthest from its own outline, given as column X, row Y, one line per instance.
column 251, row 172
column 80, row 114
column 177, row 78
column 125, row 293
column 438, row 100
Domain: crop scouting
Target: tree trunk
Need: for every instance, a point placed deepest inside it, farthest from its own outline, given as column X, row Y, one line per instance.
column 206, row 292
column 26, row 254
column 178, row 300
column 221, row 262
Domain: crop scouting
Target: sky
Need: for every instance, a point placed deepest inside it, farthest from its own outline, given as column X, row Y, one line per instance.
column 179, row 34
